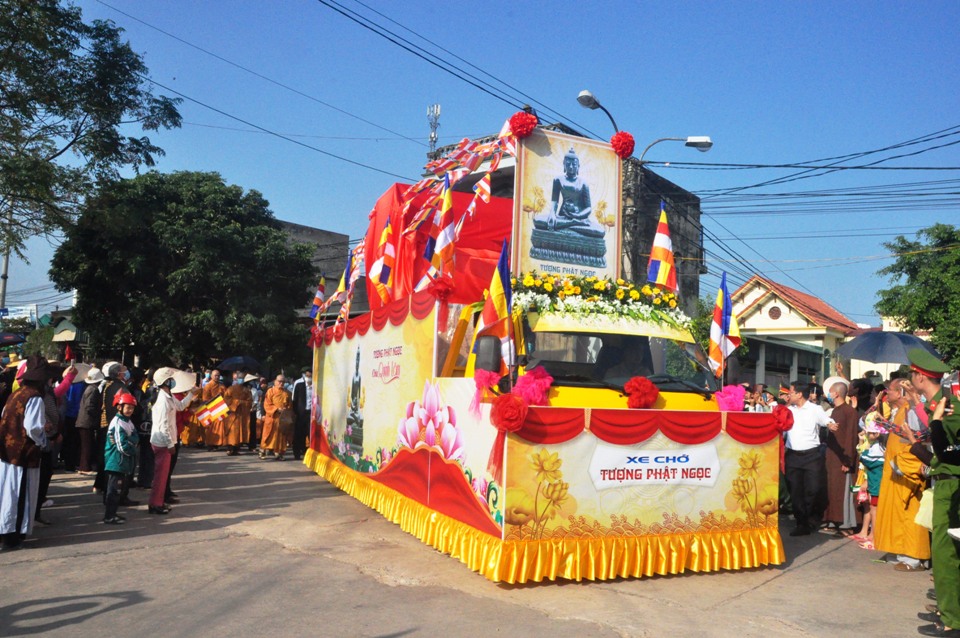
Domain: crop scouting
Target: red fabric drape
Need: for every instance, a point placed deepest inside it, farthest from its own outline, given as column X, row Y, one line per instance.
column 629, row 427
column 690, row 428
column 552, row 425
column 624, row 427
column 476, row 253
column 751, row 428
column 421, row 303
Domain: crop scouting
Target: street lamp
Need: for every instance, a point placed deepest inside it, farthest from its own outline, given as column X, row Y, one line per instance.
column 702, row 143
column 589, row 101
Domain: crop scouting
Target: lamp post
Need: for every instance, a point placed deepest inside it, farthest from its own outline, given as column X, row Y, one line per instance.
column 589, row 101
column 702, row 143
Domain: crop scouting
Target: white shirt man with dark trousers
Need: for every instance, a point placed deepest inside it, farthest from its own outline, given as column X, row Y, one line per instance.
column 805, row 469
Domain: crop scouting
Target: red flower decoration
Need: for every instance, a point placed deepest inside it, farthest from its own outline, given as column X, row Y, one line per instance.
column 641, row 392
column 508, row 412
column 623, row 144
column 523, row 123
column 782, row 418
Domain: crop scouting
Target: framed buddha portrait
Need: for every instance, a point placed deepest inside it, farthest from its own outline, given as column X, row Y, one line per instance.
column 567, row 206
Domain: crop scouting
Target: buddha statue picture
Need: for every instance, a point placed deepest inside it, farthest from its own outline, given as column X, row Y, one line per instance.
column 567, row 186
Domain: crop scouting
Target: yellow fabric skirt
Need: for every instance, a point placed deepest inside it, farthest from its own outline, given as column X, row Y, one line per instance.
column 573, row 558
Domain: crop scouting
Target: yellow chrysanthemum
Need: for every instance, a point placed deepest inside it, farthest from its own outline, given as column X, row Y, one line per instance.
column 656, row 301
column 634, row 294
column 547, row 286
column 528, row 281
column 620, row 293
column 546, row 465
column 576, row 290
column 621, row 282
column 646, row 290
column 673, row 303
column 562, row 295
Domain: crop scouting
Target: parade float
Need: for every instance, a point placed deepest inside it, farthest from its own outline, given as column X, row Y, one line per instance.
column 573, row 436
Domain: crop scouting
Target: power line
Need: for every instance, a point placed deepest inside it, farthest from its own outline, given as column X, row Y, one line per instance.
column 474, row 66
column 263, row 77
column 370, row 26
column 321, row 137
column 807, row 172
column 275, row 134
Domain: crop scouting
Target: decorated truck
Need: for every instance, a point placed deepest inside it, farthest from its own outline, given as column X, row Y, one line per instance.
column 512, row 401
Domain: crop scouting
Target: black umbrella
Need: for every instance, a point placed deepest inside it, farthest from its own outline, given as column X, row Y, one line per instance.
column 883, row 347
column 11, row 338
column 243, row 362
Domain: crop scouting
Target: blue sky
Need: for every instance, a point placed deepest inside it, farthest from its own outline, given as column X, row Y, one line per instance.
column 771, row 83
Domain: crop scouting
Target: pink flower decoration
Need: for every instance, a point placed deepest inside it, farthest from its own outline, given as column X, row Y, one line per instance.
column 730, row 399
column 429, row 423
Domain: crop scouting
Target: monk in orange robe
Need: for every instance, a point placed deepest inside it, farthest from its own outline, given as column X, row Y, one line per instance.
column 240, row 401
column 900, row 490
column 215, row 435
column 277, row 404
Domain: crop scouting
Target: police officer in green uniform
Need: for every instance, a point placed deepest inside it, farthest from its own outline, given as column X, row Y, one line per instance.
column 926, row 372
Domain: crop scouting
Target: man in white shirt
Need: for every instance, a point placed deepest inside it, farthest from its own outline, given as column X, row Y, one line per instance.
column 805, row 468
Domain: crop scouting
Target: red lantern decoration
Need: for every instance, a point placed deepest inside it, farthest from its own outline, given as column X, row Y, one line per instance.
column 641, row 393
column 523, row 123
column 623, row 144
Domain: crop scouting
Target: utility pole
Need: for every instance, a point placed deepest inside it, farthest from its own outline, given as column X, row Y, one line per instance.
column 433, row 119
column 6, row 266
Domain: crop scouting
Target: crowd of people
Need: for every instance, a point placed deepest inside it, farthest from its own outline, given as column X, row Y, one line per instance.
column 124, row 427
column 879, row 464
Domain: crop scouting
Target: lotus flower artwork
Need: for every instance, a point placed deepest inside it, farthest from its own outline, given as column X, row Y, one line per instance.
column 746, row 495
column 429, row 423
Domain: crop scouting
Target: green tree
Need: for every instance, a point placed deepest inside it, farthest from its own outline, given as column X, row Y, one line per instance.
column 40, row 341
column 924, row 291
column 183, row 268
column 68, row 92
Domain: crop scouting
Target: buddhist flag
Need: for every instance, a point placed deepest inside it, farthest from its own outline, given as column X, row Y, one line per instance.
column 507, row 139
column 340, row 294
column 318, row 298
column 495, row 316
column 383, row 266
column 660, row 269
column 203, row 416
column 724, row 331
column 217, row 408
column 443, row 232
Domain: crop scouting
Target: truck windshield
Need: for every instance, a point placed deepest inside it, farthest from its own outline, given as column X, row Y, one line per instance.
column 610, row 360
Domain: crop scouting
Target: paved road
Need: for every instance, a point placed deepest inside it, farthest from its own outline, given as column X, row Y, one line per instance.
column 268, row 548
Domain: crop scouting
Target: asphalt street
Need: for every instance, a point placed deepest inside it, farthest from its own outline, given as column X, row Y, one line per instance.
column 268, row 548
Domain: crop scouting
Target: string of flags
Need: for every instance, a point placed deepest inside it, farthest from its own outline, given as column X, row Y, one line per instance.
column 437, row 211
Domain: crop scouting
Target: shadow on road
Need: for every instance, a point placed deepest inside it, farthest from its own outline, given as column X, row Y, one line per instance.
column 50, row 614
column 214, row 493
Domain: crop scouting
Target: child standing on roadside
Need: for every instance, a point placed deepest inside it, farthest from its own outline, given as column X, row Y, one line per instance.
column 119, row 454
column 872, row 462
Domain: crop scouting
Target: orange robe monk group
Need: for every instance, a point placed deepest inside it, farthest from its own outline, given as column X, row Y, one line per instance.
column 276, row 438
